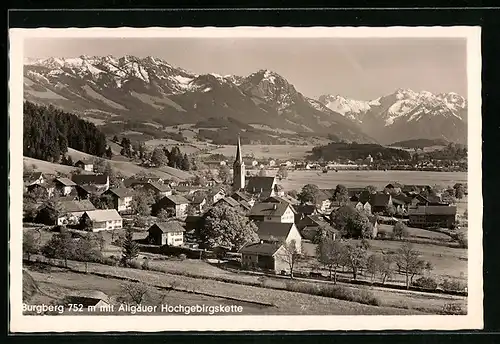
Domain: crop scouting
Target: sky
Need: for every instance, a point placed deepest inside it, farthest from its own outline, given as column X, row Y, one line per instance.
column 357, row 68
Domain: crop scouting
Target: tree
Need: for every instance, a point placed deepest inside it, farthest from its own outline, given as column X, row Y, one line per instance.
column 184, row 164
column 135, row 291
column 49, row 212
column 462, row 239
column 227, row 227
column 351, row 222
column 386, row 269
column 99, row 241
column 30, row 207
column 399, row 230
column 374, row 265
column 390, row 209
column 30, row 243
column 85, row 223
column 104, row 201
column 60, row 246
column 341, row 194
column 163, row 215
column 141, row 202
column 292, row 193
column 309, row 194
column 200, row 180
column 409, row 262
column 290, row 255
column 282, row 172
column 224, row 174
column 130, row 248
column 371, row 189
column 115, row 139
column 459, row 190
column 86, row 249
column 158, row 158
column 331, row 254
column 356, row 257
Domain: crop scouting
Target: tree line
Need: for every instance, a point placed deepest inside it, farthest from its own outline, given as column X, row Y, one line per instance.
column 48, row 132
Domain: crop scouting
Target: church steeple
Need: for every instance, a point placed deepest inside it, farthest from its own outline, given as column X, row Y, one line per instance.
column 238, row 169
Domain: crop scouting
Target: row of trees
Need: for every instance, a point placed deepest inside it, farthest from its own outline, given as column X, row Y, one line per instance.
column 48, row 132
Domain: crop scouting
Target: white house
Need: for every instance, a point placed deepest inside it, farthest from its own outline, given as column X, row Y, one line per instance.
column 104, row 219
column 122, row 198
column 272, row 212
column 72, row 211
column 274, row 232
column 64, row 185
column 169, row 233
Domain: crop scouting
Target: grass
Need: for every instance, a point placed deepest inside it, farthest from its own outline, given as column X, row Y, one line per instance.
column 281, row 152
column 297, row 179
column 289, row 303
column 418, row 233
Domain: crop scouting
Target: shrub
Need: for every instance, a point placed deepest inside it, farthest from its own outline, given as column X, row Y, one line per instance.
column 453, row 285
column 145, row 264
column 134, row 264
column 453, row 309
column 425, row 282
column 111, row 261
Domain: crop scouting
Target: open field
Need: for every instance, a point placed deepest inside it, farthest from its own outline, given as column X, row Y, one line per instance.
column 417, row 232
column 285, row 302
column 297, row 179
column 126, row 168
column 281, row 152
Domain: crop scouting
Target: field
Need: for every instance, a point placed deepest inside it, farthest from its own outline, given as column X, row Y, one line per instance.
column 126, row 168
column 281, row 152
column 297, row 179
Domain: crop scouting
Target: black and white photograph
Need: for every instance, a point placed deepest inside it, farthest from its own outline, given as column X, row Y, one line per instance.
column 229, row 179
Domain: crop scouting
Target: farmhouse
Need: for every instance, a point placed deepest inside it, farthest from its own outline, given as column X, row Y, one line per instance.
column 198, row 201
column 32, row 178
column 272, row 212
column 160, row 190
column 324, row 199
column 72, row 211
column 263, row 187
column 265, row 256
column 215, row 194
column 122, row 198
column 85, row 165
column 46, row 187
column 103, row 219
column 176, row 203
column 99, row 181
column 243, row 198
column 275, row 232
column 432, row 216
column 233, row 203
column 64, row 185
column 313, row 225
column 169, row 233
column 379, row 202
column 366, row 207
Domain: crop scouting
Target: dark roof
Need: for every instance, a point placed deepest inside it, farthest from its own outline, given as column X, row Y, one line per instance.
column 414, row 188
column 305, row 208
column 262, row 249
column 76, row 206
column 379, row 200
column 168, row 227
column 318, row 219
column 325, row 194
column 65, row 182
column 258, row 184
column 245, row 204
column 241, row 195
column 229, row 200
column 85, row 162
column 160, row 187
column 86, row 179
column 121, row 192
column 89, row 189
column 402, row 198
column 354, row 191
column 196, row 198
column 32, row 176
column 175, row 199
column 433, row 210
column 269, row 209
column 276, row 230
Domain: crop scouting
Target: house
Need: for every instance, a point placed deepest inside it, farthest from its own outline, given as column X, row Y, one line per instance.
column 272, row 212
column 379, row 202
column 302, row 210
column 279, row 199
column 428, row 216
column 276, row 232
column 103, row 219
column 366, row 207
column 47, row 187
column 98, row 181
column 324, row 199
column 85, row 191
column 72, row 211
column 176, row 203
column 122, row 198
column 240, row 196
column 64, row 185
column 263, row 187
column 193, row 222
column 414, row 189
column 214, row 195
column 85, row 165
column 265, row 256
column 198, row 201
column 313, row 225
column 96, row 299
column 351, row 192
column 242, row 205
column 169, row 233
column 32, row 178
column 160, row 190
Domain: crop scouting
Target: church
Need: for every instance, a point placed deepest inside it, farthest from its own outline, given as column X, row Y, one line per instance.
column 260, row 187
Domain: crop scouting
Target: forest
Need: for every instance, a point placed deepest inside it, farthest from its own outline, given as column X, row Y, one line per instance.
column 48, row 133
column 354, row 151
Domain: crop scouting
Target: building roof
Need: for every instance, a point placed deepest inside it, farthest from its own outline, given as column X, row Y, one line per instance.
column 76, row 206
column 65, row 182
column 32, row 176
column 176, row 199
column 257, row 184
column 168, row 227
column 229, row 200
column 433, row 210
column 100, row 215
column 85, row 162
column 402, row 198
column 305, row 208
column 325, row 194
column 269, row 209
column 87, row 179
column 379, row 199
column 241, row 195
column 121, row 192
column 262, row 249
column 159, row 187
column 273, row 230
column 197, row 198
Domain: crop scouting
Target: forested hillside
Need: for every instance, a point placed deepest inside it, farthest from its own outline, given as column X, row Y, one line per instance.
column 48, row 132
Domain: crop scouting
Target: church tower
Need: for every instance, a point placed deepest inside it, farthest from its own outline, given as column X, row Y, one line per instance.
column 238, row 169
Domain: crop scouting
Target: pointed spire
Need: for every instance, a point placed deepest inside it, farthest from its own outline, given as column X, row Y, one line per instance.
column 239, row 157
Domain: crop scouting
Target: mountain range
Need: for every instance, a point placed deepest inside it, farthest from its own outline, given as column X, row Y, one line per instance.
column 112, row 90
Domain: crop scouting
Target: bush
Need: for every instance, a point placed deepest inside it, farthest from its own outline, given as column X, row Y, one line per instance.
column 145, row 264
column 111, row 261
column 453, row 285
column 425, row 282
column 134, row 264
column 453, row 309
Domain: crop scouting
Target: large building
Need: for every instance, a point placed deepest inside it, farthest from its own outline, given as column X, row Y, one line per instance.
column 238, row 169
